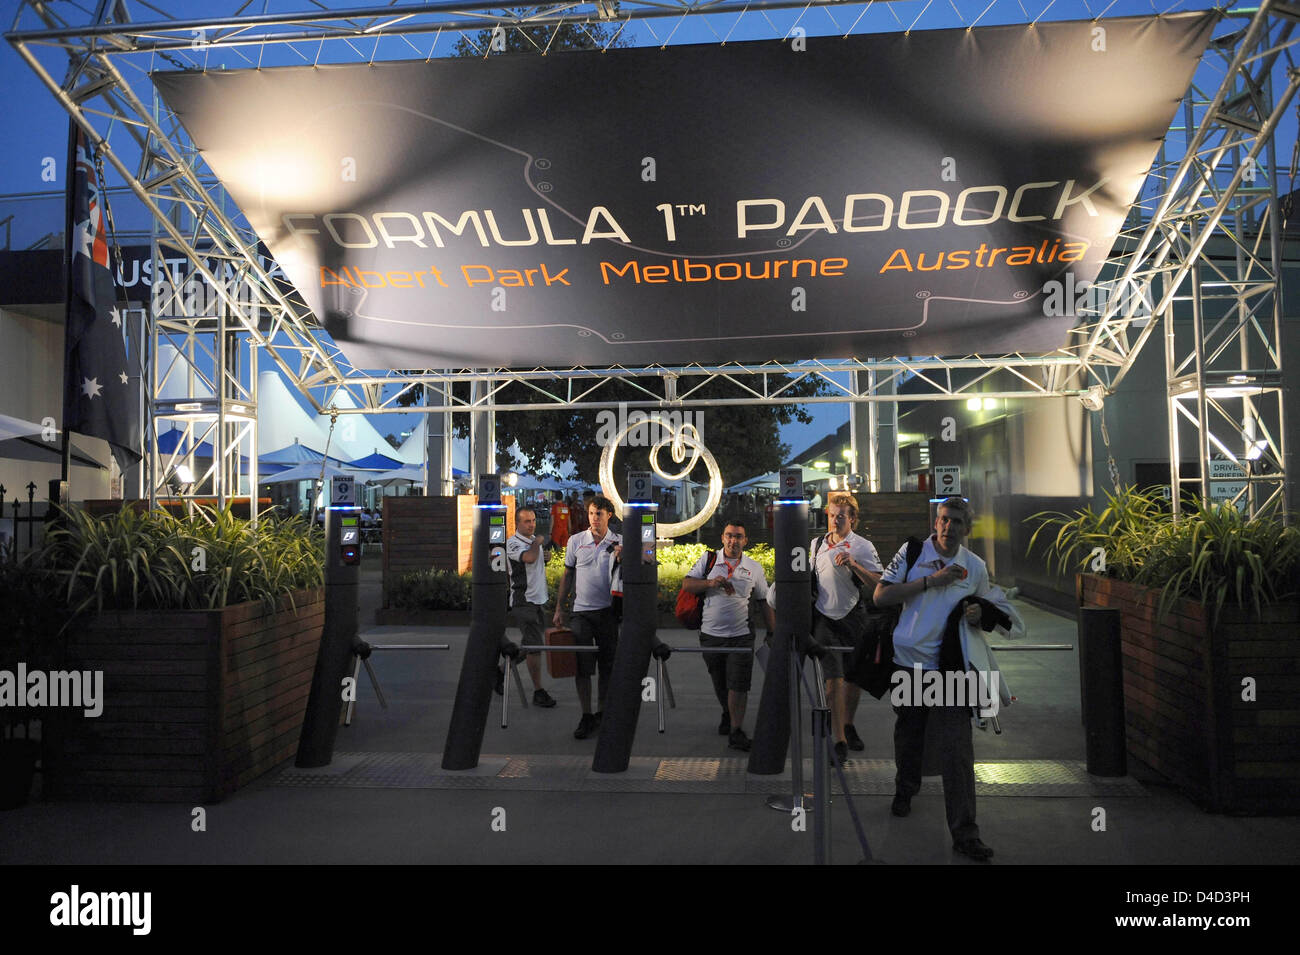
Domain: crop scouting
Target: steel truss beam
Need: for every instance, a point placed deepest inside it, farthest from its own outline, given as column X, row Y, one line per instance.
column 1215, row 194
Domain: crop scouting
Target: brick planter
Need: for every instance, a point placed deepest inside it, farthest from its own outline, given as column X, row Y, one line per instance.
column 197, row 703
column 1184, row 715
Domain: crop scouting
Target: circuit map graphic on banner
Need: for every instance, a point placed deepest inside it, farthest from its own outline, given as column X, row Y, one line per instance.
column 894, row 194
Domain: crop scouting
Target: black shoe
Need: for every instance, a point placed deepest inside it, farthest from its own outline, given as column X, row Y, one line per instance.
column 724, row 726
column 901, row 805
column 597, row 717
column 974, row 849
column 841, row 753
column 543, row 699
column 853, row 739
column 738, row 740
column 500, row 686
column 586, row 726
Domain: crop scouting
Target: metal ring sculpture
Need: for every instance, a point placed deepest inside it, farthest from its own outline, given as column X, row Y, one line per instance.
column 679, row 440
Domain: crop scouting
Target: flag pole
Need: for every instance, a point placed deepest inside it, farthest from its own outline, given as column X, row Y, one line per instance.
column 69, row 185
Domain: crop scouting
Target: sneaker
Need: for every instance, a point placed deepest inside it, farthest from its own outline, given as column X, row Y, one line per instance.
column 543, row 699
column 738, row 740
column 842, row 753
column 853, row 739
column 724, row 726
column 586, row 726
column 901, row 805
column 499, row 687
column 973, row 848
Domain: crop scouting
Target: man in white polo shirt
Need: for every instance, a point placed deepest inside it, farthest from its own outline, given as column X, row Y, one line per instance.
column 589, row 562
column 944, row 575
column 528, row 594
column 727, row 588
column 842, row 561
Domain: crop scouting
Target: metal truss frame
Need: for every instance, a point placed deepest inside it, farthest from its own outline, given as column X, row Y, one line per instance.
column 1216, row 193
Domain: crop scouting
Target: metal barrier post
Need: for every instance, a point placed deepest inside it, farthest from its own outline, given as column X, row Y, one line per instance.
column 793, row 616
column 488, row 626
column 640, row 569
column 821, row 769
column 320, row 724
column 1102, row 688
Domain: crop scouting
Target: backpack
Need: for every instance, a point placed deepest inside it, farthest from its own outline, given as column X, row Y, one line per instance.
column 690, row 607
column 872, row 662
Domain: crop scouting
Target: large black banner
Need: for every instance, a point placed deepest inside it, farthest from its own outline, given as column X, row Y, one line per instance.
column 870, row 195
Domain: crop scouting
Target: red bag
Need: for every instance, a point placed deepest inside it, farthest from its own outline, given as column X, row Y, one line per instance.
column 690, row 607
column 560, row 665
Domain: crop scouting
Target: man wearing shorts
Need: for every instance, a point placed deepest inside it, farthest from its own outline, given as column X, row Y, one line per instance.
column 841, row 560
column 589, row 562
column 727, row 588
column 528, row 593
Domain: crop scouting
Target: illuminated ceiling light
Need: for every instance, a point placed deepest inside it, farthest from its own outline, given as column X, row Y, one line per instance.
column 990, row 404
column 973, row 404
column 847, row 454
column 821, row 465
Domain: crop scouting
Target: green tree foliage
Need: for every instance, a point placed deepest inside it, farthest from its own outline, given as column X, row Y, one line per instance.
column 543, row 38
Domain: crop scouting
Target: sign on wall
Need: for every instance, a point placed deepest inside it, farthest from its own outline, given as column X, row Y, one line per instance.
column 751, row 201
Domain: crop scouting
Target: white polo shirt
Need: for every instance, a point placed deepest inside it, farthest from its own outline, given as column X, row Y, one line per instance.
column 534, row 573
column 919, row 633
column 593, row 566
column 837, row 586
column 727, row 615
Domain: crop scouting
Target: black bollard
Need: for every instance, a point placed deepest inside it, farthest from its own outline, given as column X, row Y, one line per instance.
column 320, row 726
column 793, row 615
column 469, row 714
column 636, row 634
column 1101, row 678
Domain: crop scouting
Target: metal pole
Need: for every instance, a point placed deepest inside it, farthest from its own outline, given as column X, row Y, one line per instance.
column 1102, row 685
column 478, row 668
column 793, row 615
column 321, row 723
column 821, row 772
column 632, row 658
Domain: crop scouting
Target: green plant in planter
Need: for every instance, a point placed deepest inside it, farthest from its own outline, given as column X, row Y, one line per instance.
column 153, row 560
column 431, row 590
column 1210, row 554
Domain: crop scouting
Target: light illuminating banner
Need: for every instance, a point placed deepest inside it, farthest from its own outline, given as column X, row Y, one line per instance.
column 866, row 196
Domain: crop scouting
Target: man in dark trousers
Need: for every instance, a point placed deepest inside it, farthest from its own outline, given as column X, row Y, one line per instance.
column 588, row 570
column 727, row 583
column 943, row 577
column 527, row 555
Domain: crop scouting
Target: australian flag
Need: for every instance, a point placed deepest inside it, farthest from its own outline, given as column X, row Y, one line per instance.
column 100, row 396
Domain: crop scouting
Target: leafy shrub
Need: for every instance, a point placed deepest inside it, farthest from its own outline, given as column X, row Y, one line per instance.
column 1211, row 554
column 431, row 590
column 153, row 560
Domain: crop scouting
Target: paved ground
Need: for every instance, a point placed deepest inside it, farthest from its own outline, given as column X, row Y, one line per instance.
column 685, row 799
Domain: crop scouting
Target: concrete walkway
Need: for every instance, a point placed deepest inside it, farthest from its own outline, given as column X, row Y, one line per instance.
column 685, row 799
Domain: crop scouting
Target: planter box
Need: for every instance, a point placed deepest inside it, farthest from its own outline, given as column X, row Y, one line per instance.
column 1184, row 715
column 197, row 703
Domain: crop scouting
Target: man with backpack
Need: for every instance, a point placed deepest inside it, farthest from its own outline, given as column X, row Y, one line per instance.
column 931, row 587
column 726, row 581
column 842, row 562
